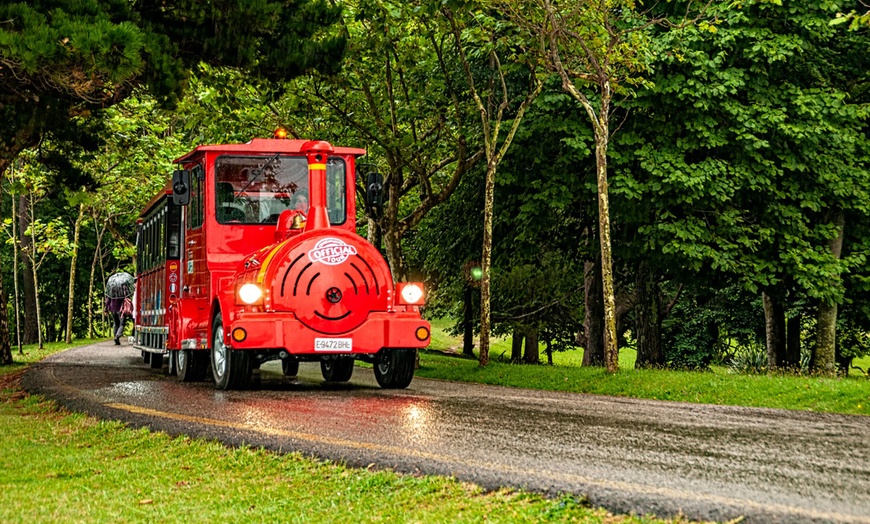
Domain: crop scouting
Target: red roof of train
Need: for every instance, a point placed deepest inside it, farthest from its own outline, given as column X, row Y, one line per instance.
column 265, row 146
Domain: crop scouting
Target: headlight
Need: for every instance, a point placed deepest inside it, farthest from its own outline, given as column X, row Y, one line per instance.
column 250, row 293
column 412, row 293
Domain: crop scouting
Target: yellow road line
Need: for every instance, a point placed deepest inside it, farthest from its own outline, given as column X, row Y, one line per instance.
column 564, row 477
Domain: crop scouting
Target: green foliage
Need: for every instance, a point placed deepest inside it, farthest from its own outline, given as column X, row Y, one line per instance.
column 745, row 156
column 65, row 58
column 705, row 328
column 750, row 359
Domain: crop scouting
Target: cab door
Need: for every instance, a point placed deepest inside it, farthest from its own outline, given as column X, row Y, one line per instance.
column 194, row 292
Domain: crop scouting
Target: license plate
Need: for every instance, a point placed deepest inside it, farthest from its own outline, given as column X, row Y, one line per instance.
column 333, row 344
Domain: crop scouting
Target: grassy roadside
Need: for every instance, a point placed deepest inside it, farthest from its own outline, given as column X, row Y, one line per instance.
column 61, row 467
column 849, row 395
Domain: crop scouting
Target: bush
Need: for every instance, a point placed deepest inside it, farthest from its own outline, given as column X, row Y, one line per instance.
column 750, row 359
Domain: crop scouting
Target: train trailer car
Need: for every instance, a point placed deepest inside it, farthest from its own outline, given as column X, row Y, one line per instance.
column 250, row 254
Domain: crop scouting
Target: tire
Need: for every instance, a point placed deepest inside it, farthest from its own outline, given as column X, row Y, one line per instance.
column 231, row 368
column 290, row 367
column 156, row 360
column 146, row 357
column 191, row 365
column 394, row 368
column 172, row 369
column 338, row 369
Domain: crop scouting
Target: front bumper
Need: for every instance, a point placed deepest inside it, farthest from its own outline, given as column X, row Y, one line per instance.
column 279, row 331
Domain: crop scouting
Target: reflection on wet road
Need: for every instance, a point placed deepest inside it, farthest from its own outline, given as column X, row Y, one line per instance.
column 708, row 462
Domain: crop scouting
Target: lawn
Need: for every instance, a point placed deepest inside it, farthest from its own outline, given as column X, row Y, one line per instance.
column 849, row 395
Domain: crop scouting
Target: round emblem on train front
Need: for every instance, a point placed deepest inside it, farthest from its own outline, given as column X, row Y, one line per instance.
column 333, row 295
column 331, row 251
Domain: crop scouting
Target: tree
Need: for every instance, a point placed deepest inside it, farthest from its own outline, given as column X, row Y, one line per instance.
column 402, row 96
column 72, row 274
column 602, row 46
column 493, row 102
column 63, row 59
column 45, row 238
column 740, row 156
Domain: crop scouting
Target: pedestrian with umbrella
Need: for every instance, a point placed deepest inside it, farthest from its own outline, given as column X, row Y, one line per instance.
column 119, row 289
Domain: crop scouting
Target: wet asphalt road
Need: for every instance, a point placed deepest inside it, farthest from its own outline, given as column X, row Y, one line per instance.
column 706, row 462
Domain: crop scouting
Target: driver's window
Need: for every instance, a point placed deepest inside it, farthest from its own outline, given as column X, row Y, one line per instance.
column 255, row 190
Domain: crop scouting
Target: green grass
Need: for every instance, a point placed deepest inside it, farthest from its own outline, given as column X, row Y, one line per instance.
column 864, row 364
column 62, row 467
column 849, row 395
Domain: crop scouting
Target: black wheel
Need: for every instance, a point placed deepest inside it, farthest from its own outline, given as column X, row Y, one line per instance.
column 146, row 357
column 156, row 360
column 231, row 368
column 290, row 367
column 172, row 369
column 338, row 369
column 394, row 368
column 191, row 365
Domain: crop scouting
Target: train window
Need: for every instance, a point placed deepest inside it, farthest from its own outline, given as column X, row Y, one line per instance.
column 161, row 235
column 255, row 190
column 336, row 191
column 195, row 210
column 173, row 239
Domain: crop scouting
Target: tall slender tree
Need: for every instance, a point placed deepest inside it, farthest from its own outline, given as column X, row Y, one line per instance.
column 496, row 106
column 598, row 49
column 72, row 273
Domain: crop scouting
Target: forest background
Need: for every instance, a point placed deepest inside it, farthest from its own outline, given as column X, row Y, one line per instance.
column 734, row 135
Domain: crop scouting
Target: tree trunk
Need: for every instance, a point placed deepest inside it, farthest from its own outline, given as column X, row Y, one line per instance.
column 72, row 274
column 826, row 337
column 774, row 328
column 611, row 351
column 31, row 326
column 649, row 320
column 593, row 323
column 393, row 244
column 373, row 233
column 34, row 267
column 486, row 262
column 793, row 341
column 97, row 253
column 517, row 346
column 468, row 321
column 549, row 351
column 5, row 349
column 533, row 349
column 16, row 287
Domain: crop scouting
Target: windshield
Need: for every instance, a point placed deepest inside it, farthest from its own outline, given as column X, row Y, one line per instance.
column 255, row 190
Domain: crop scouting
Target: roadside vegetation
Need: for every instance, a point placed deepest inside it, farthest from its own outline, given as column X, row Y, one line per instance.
column 715, row 385
column 57, row 466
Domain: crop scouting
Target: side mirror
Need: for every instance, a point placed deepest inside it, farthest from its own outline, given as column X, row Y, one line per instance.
column 181, row 187
column 374, row 197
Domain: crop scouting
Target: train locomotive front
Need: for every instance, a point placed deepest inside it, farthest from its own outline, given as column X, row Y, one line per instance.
column 325, row 295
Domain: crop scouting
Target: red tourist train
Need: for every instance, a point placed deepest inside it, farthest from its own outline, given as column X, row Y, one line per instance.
column 235, row 269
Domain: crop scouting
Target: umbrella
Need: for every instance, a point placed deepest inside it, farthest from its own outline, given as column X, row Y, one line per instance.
column 120, row 285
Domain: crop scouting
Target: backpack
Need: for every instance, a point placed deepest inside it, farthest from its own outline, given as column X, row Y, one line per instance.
column 127, row 308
